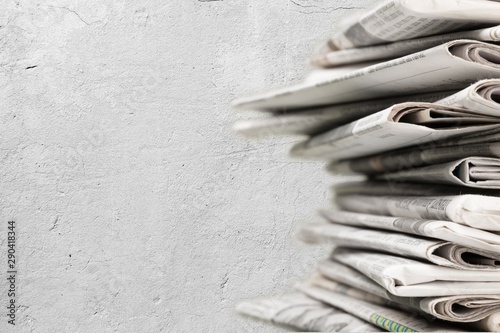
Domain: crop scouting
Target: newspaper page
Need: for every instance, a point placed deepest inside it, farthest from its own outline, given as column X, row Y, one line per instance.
column 451, row 308
column 453, row 65
column 413, row 157
column 342, row 288
column 349, row 289
column 487, row 136
column 317, row 75
column 401, row 48
column 384, row 317
column 375, row 187
column 317, row 120
column 394, row 20
column 399, row 126
column 476, row 211
column 483, row 97
column 457, row 234
column 444, row 230
column 302, row 312
column 438, row 252
column 492, row 135
column 477, row 172
column 341, row 273
column 412, row 278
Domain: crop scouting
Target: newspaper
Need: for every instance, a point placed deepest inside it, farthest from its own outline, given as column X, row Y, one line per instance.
column 444, row 230
column 473, row 138
column 452, row 65
column 476, row 211
column 375, row 187
column 483, row 97
column 399, row 126
column 384, row 317
column 330, row 272
column 320, row 281
column 401, row 48
column 442, row 253
column 451, row 308
column 394, row 20
column 304, row 313
column 317, row 120
column 317, row 75
column 477, row 172
column 413, row 158
column 412, row 278
column 488, row 324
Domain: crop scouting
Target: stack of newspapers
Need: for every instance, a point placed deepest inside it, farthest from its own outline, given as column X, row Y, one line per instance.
column 408, row 94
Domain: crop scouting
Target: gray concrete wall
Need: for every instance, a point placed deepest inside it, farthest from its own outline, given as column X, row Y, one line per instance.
column 137, row 208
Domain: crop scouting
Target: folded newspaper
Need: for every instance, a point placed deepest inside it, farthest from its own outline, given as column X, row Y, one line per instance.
column 452, row 65
column 320, row 281
column 455, row 308
column 412, row 278
column 316, row 120
column 484, row 143
column 476, row 211
column 439, row 252
column 413, row 157
column 483, row 97
column 374, row 187
column 465, row 236
column 399, row 126
column 477, row 172
column 304, row 313
column 384, row 317
column 401, row 48
column 394, row 20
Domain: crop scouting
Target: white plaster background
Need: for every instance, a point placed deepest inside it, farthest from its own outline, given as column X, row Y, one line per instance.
column 138, row 210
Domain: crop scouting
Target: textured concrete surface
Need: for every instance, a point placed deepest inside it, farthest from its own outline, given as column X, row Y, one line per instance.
column 137, row 208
